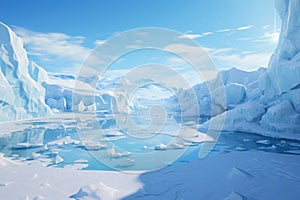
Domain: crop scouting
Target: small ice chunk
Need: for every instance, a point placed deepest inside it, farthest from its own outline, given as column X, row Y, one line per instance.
column 94, row 146
column 113, row 154
column 64, row 141
column 147, row 147
column 35, row 155
column 161, row 147
column 58, row 159
column 81, row 161
column 113, row 134
column 175, row 145
column 127, row 163
column 27, row 145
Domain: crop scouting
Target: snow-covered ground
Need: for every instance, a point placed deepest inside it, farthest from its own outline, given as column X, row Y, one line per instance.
column 242, row 175
column 23, row 181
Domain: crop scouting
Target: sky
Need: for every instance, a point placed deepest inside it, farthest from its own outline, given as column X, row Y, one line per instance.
column 60, row 34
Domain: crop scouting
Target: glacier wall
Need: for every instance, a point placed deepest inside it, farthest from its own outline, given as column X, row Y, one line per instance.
column 284, row 66
column 22, row 95
column 27, row 91
column 66, row 93
column 282, row 81
column 273, row 108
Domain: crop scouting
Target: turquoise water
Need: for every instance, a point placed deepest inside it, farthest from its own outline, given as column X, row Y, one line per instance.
column 144, row 154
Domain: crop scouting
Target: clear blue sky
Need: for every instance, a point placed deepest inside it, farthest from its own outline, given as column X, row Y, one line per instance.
column 239, row 33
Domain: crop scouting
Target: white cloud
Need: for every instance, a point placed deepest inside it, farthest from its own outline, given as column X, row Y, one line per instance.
column 99, row 42
column 224, row 30
column 195, row 54
column 272, row 37
column 191, row 35
column 249, row 61
column 207, row 33
column 226, row 58
column 194, row 36
column 243, row 28
column 212, row 52
column 49, row 45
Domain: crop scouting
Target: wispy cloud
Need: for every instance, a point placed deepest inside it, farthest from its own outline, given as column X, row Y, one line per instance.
column 194, row 35
column 243, row 28
column 272, row 37
column 54, row 45
column 99, row 42
column 191, row 36
column 224, row 57
column 220, row 51
column 248, row 61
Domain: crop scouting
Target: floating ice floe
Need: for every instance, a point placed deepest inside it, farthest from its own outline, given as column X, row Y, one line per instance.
column 64, row 141
column 113, row 154
column 161, row 147
column 94, row 146
column 126, row 163
column 113, row 134
column 58, row 159
column 27, row 145
column 81, row 161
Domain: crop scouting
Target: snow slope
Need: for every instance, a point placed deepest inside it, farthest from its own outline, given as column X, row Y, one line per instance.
column 22, row 95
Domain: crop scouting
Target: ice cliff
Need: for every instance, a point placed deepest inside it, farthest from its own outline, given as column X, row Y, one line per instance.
column 65, row 93
column 272, row 106
column 28, row 91
column 22, row 95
